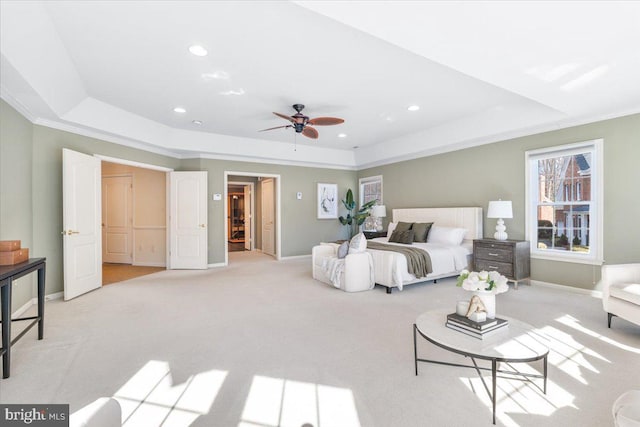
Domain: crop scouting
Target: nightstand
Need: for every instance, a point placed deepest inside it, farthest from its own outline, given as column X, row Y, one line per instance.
column 511, row 258
column 373, row 234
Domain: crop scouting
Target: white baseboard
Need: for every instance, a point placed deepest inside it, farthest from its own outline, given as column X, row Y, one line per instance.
column 284, row 258
column 34, row 301
column 592, row 293
column 216, row 265
column 23, row 309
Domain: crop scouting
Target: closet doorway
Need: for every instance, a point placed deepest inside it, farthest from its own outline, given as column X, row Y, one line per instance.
column 133, row 221
column 240, row 214
column 252, row 213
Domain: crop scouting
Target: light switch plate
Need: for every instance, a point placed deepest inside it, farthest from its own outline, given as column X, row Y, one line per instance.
column 217, row 196
column 299, row 195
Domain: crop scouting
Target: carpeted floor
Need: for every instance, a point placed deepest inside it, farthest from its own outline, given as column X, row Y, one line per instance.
column 260, row 343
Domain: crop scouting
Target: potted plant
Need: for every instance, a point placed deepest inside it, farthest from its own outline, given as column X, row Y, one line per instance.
column 354, row 220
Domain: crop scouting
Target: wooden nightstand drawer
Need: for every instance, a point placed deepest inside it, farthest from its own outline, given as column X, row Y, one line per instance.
column 508, row 257
column 504, row 268
column 498, row 254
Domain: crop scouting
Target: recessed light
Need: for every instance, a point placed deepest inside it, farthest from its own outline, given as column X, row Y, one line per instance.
column 238, row 92
column 342, row 135
column 198, row 50
column 179, row 110
column 197, row 122
column 413, row 108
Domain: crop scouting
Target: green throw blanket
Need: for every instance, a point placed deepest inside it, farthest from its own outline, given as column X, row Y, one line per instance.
column 418, row 261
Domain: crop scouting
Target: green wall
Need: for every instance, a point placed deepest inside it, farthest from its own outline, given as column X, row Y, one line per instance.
column 474, row 176
column 301, row 229
column 15, row 192
column 31, row 191
column 47, row 188
column 31, row 196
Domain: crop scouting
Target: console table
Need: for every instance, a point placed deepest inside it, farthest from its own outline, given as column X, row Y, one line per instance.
column 9, row 273
column 517, row 343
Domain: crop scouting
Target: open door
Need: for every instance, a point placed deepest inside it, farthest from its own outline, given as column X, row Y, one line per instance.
column 81, row 211
column 268, row 217
column 188, row 220
column 248, row 217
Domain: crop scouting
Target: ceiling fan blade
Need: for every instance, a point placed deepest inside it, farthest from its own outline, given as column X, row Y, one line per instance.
column 325, row 121
column 277, row 127
column 310, row 132
column 284, row 116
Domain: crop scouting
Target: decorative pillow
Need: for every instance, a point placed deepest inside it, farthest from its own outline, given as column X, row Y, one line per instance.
column 343, row 249
column 390, row 228
column 405, row 237
column 446, row 235
column 420, row 231
column 403, row 226
column 358, row 244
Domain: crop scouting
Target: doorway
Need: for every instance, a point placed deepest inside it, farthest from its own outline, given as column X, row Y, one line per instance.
column 240, row 214
column 134, row 229
column 252, row 210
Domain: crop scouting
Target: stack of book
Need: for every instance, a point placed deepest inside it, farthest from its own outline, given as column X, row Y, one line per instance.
column 478, row 330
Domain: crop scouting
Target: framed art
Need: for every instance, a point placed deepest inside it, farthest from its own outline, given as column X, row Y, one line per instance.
column 327, row 201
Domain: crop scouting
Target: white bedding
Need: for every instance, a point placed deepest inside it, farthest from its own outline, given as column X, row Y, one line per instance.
column 445, row 260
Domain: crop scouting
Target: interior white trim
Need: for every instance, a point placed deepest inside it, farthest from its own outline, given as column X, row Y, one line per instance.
column 590, row 292
column 132, row 163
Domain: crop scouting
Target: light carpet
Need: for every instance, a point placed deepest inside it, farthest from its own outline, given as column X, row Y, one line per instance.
column 260, row 343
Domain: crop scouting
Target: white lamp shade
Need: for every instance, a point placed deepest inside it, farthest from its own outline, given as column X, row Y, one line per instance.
column 379, row 211
column 500, row 209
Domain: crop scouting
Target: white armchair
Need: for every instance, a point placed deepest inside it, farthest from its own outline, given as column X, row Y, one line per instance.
column 621, row 291
column 356, row 276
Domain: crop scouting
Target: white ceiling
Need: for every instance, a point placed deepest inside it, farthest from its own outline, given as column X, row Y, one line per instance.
column 480, row 72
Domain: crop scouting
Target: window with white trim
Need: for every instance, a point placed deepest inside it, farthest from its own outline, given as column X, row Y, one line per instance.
column 564, row 199
column 371, row 189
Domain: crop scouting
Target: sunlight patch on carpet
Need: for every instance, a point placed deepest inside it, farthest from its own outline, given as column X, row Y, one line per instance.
column 151, row 398
column 274, row 402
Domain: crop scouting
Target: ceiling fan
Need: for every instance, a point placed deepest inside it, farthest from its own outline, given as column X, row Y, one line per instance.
column 302, row 124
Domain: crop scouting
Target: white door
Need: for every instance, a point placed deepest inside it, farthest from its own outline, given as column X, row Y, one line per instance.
column 248, row 214
column 117, row 219
column 188, row 220
column 82, row 239
column 268, row 217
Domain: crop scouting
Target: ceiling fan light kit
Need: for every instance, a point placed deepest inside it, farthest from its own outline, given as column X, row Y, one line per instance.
column 302, row 124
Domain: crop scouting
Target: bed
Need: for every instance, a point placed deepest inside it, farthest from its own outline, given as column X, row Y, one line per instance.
column 447, row 259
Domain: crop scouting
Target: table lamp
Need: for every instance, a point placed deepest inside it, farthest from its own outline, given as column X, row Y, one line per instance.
column 378, row 212
column 500, row 209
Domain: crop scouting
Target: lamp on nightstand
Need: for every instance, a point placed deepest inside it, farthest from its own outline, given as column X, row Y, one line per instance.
column 378, row 212
column 500, row 209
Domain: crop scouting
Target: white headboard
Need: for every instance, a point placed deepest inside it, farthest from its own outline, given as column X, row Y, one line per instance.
column 469, row 218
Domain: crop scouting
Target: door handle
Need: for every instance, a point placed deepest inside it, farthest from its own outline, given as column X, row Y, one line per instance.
column 69, row 232
column 203, row 226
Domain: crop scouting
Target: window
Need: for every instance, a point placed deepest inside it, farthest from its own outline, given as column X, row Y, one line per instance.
column 564, row 202
column 371, row 189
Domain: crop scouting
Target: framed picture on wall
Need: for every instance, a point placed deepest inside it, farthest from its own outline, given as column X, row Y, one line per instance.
column 327, row 201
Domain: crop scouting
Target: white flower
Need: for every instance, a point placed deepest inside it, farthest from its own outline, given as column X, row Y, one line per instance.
column 487, row 281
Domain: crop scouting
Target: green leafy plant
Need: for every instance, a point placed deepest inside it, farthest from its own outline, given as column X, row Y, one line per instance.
column 354, row 219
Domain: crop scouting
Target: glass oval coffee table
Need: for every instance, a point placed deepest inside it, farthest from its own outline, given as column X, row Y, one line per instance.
column 517, row 343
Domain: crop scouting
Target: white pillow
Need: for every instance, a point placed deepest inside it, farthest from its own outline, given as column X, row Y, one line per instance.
column 390, row 228
column 358, row 244
column 446, row 235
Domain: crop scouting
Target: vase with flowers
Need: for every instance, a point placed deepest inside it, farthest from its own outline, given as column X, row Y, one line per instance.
column 486, row 285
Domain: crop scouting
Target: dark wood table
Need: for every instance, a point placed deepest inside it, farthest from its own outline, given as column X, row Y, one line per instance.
column 9, row 273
